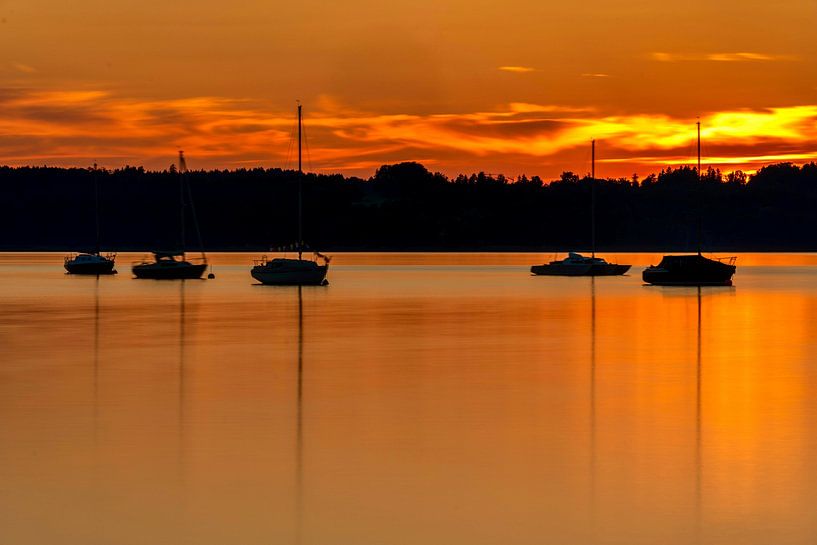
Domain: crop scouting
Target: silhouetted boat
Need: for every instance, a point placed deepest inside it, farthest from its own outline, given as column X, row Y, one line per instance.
column 576, row 264
column 282, row 271
column 173, row 265
column 92, row 262
column 169, row 266
column 692, row 270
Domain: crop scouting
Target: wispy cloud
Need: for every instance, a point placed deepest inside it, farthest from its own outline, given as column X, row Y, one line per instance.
column 517, row 69
column 595, row 75
column 24, row 68
column 80, row 127
column 739, row 56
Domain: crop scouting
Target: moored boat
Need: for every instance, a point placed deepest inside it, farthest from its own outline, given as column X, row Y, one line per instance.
column 173, row 265
column 576, row 264
column 690, row 270
column 694, row 269
column 90, row 263
column 169, row 266
column 283, row 271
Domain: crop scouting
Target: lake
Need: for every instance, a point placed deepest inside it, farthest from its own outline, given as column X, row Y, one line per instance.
column 418, row 399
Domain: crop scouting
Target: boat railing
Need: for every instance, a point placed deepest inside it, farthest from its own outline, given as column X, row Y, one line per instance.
column 147, row 260
column 730, row 260
column 110, row 256
column 326, row 258
column 265, row 260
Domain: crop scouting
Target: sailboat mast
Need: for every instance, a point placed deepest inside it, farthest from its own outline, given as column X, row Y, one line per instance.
column 181, row 169
column 700, row 191
column 96, row 206
column 593, row 198
column 300, row 187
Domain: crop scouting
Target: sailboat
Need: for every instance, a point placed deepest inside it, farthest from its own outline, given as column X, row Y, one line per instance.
column 92, row 262
column 282, row 271
column 173, row 265
column 692, row 270
column 576, row 264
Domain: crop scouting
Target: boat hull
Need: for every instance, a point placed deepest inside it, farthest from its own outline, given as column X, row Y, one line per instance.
column 692, row 270
column 305, row 277
column 95, row 269
column 161, row 271
column 595, row 269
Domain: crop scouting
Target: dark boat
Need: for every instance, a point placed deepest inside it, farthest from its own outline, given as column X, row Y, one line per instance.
column 576, row 264
column 169, row 266
column 283, row 271
column 692, row 270
column 92, row 262
column 173, row 265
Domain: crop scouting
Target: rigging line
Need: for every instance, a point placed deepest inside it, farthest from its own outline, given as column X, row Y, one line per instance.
column 290, row 145
column 306, row 145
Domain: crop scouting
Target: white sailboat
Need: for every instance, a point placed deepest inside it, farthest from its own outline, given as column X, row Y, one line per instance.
column 282, row 271
column 576, row 264
column 92, row 262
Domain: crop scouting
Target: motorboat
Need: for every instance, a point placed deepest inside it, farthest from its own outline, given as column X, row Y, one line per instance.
column 576, row 264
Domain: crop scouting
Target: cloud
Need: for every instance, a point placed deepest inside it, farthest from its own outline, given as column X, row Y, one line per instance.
column 717, row 57
column 81, row 127
column 595, row 75
column 24, row 68
column 517, row 69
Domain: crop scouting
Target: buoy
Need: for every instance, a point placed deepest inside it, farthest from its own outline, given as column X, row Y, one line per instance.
column 211, row 276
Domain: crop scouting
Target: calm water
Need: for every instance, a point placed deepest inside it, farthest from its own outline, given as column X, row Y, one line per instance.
column 419, row 399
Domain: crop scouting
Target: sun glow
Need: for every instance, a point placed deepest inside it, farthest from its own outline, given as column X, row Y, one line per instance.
column 79, row 127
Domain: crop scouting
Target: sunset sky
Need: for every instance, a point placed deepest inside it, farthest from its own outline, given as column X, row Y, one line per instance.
column 512, row 87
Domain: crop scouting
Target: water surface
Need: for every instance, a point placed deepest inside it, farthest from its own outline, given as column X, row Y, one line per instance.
column 420, row 398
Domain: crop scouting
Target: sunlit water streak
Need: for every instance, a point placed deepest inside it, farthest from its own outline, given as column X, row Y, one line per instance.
column 420, row 398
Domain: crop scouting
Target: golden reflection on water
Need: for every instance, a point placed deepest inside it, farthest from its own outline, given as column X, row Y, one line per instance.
column 420, row 398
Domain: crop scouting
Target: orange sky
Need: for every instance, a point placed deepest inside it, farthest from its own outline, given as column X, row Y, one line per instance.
column 513, row 87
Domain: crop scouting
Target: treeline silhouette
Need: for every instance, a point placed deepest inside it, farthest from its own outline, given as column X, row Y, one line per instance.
column 406, row 207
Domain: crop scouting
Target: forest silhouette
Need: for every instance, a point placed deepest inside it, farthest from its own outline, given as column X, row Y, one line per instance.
column 407, row 207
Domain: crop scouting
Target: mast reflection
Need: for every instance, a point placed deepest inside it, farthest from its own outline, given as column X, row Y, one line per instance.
column 299, row 425
column 698, row 453
column 181, row 373
column 96, row 360
column 593, row 464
